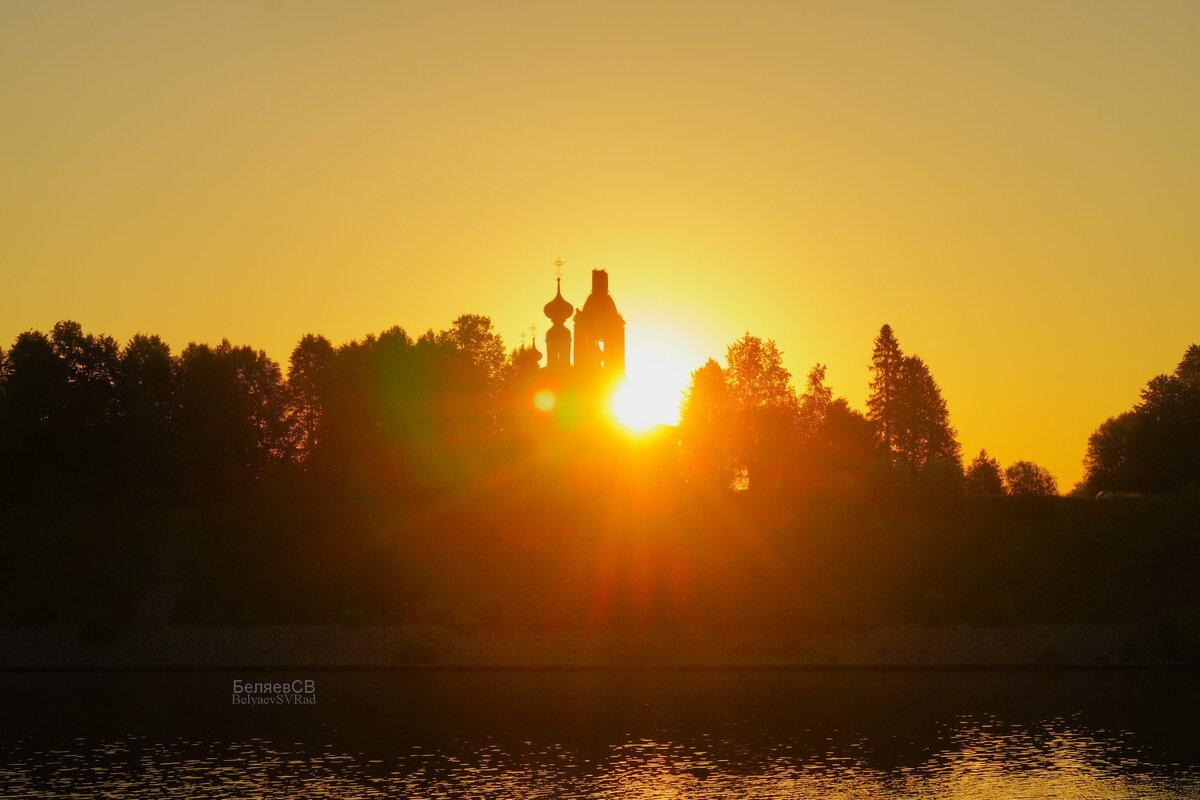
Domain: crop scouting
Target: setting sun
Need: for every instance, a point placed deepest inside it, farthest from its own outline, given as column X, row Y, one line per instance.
column 650, row 396
column 657, row 372
column 639, row 406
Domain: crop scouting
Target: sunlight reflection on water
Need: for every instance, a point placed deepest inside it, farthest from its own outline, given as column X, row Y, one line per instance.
column 447, row 734
column 981, row 758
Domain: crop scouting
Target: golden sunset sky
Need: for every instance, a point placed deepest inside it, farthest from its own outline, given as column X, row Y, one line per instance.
column 1013, row 186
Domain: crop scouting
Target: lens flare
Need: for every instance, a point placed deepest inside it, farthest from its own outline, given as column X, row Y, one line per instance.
column 545, row 401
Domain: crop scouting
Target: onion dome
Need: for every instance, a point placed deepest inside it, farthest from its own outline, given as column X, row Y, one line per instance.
column 558, row 309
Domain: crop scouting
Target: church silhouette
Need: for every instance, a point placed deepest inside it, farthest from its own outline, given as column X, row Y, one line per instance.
column 599, row 333
column 582, row 369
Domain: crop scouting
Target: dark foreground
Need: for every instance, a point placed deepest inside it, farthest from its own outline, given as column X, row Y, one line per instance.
column 602, row 734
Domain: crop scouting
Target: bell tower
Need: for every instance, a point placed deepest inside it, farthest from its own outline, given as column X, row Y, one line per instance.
column 600, row 332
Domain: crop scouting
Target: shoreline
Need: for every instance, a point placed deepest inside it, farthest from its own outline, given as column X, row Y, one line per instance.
column 427, row 648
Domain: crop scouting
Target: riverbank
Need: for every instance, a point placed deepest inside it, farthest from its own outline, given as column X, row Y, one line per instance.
column 397, row 647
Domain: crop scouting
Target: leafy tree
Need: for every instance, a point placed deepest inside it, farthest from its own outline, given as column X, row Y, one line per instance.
column 459, row 377
column 814, row 405
column 1169, row 430
column 984, row 477
column 739, row 420
column 90, row 363
column 404, row 415
column 848, row 436
column 474, row 335
column 1155, row 447
column 146, row 377
column 1026, row 478
column 310, row 383
column 36, row 392
column 1112, row 460
column 705, row 431
column 64, row 402
column 231, row 415
column 36, row 385
column 756, row 375
column 764, row 402
column 90, row 359
column 831, row 433
column 148, row 452
column 61, row 408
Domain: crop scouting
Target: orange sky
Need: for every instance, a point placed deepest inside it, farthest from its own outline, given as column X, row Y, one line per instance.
column 1012, row 186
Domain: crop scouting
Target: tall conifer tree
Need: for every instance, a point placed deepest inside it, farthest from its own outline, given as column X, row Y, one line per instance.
column 883, row 402
column 906, row 405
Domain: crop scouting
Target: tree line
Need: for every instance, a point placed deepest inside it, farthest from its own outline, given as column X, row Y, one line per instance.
column 84, row 418
column 1155, row 446
column 746, row 425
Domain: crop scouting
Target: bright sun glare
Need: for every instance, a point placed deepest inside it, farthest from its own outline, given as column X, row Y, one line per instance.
column 650, row 394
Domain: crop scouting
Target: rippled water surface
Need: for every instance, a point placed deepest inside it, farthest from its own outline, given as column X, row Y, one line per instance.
column 606, row 735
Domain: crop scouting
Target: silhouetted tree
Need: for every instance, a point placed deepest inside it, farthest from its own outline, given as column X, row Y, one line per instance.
column 36, row 394
column 756, row 375
column 148, row 452
column 231, row 416
column 831, row 433
column 90, row 408
column 764, row 402
column 814, row 405
column 462, row 378
column 984, row 477
column 906, row 405
column 518, row 386
column 924, row 423
column 474, row 335
column 849, row 434
column 36, row 386
column 82, row 416
column 705, row 428
column 358, row 447
column 1026, row 478
column 1156, row 446
column 310, row 382
column 400, row 415
column 146, row 378
column 884, row 402
column 1113, row 460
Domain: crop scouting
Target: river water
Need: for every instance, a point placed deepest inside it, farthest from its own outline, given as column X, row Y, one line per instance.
column 621, row 734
